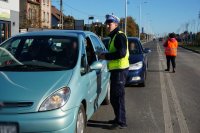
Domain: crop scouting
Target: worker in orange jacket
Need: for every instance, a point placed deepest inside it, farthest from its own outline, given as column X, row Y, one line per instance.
column 171, row 51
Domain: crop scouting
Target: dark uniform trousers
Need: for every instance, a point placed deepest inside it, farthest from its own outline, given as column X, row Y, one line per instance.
column 117, row 94
column 172, row 60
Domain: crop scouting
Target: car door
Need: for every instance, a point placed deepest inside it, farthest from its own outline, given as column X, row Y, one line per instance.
column 103, row 75
column 92, row 93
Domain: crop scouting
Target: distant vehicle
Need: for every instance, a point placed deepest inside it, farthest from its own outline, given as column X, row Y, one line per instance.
column 160, row 39
column 179, row 39
column 51, row 81
column 138, row 61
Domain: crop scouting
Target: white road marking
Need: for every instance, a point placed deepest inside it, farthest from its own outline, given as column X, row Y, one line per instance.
column 181, row 119
column 166, row 111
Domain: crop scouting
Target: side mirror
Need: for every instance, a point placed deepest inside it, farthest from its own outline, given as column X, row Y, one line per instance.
column 97, row 65
column 147, row 50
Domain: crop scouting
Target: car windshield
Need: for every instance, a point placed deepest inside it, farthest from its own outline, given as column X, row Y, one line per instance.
column 39, row 53
column 134, row 47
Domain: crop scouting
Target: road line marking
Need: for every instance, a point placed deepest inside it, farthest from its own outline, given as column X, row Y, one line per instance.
column 166, row 110
column 181, row 119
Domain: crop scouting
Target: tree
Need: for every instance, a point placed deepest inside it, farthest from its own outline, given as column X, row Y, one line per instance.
column 68, row 22
column 198, row 38
column 132, row 28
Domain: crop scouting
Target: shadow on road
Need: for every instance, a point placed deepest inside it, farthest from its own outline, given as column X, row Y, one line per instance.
column 98, row 124
column 160, row 71
column 151, row 70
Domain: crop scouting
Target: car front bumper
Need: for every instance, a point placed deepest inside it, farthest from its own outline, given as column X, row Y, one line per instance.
column 55, row 121
column 135, row 77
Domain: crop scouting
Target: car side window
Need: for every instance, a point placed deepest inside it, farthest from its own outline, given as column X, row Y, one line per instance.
column 106, row 42
column 141, row 47
column 99, row 47
column 91, row 56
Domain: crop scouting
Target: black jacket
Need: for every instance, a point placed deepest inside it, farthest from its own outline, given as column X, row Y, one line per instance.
column 120, row 45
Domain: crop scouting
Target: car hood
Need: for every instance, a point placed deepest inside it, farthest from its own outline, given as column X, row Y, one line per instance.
column 134, row 58
column 30, row 88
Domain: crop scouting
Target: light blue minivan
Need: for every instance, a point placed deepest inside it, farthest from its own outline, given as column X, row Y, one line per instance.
column 51, row 81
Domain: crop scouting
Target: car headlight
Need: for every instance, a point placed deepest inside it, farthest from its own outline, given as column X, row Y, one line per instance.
column 56, row 100
column 136, row 66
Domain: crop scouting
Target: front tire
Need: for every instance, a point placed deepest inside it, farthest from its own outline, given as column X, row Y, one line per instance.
column 143, row 84
column 81, row 120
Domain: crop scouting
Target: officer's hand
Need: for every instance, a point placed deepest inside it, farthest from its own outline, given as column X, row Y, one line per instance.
column 101, row 56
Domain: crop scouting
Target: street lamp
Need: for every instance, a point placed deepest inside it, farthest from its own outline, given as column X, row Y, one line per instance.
column 140, row 12
column 90, row 18
column 198, row 23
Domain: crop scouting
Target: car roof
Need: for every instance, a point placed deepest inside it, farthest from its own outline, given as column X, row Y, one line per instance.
column 134, row 38
column 56, row 33
column 129, row 38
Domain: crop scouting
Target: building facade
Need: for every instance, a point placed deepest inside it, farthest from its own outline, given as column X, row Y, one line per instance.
column 9, row 18
column 46, row 13
column 35, row 14
column 30, row 14
column 55, row 17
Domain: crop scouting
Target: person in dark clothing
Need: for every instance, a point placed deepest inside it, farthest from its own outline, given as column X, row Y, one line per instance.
column 118, row 65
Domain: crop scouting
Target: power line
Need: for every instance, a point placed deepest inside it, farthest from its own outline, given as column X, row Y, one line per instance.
column 80, row 11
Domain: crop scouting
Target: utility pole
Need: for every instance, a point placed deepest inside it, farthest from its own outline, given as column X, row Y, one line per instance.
column 199, row 14
column 61, row 16
column 125, row 16
column 139, row 20
column 198, row 23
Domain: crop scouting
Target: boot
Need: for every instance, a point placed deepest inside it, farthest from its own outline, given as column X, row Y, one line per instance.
column 166, row 69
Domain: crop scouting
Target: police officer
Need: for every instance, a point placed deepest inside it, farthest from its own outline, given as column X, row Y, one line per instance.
column 118, row 64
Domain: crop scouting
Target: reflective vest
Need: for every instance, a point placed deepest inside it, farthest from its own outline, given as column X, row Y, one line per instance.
column 118, row 63
column 171, row 49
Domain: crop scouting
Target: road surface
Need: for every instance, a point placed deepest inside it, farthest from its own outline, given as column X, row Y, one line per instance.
column 170, row 102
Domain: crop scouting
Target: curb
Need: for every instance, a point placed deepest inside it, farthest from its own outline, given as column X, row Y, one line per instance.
column 190, row 49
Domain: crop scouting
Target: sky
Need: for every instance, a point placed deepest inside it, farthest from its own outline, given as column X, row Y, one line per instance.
column 158, row 17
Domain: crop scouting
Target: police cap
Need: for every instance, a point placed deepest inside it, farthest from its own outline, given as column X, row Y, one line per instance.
column 111, row 19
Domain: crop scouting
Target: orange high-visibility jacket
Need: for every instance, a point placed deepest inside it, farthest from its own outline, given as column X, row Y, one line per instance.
column 171, row 48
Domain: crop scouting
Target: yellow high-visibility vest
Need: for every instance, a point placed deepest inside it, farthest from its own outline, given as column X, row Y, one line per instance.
column 119, row 63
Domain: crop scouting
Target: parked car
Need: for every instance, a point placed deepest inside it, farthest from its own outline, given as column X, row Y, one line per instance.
column 138, row 61
column 51, row 81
